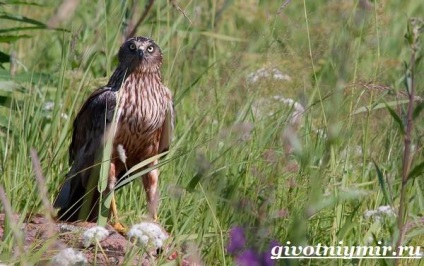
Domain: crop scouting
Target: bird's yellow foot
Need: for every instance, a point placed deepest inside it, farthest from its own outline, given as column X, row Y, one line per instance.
column 120, row 228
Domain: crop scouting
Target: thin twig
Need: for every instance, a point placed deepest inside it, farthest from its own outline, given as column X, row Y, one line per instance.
column 131, row 32
column 406, row 163
column 48, row 225
column 13, row 224
column 175, row 4
column 48, row 208
column 41, row 185
column 283, row 6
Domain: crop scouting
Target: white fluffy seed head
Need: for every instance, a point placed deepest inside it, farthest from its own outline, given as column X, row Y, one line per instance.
column 149, row 235
column 121, row 153
column 93, row 235
column 69, row 257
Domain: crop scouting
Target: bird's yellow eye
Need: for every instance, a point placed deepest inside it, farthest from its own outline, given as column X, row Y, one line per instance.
column 150, row 49
column 133, row 47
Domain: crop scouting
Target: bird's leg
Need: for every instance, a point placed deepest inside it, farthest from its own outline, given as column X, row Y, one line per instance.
column 116, row 224
column 150, row 183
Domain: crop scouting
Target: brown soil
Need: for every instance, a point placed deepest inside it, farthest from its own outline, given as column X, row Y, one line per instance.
column 49, row 237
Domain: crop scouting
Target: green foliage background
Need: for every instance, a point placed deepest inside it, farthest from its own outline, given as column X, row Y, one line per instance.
column 345, row 59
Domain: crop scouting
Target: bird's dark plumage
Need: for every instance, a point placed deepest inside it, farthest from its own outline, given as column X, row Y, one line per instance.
column 144, row 126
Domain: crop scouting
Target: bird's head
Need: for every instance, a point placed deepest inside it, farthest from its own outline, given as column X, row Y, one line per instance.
column 140, row 54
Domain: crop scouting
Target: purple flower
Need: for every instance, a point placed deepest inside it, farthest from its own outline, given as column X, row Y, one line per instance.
column 249, row 258
column 237, row 240
column 248, row 254
column 266, row 256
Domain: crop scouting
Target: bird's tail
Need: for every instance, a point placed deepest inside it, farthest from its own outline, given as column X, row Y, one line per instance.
column 72, row 198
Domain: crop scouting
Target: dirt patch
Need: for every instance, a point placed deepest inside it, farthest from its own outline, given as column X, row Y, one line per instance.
column 42, row 235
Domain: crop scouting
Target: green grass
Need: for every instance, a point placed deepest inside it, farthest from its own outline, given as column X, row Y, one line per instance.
column 337, row 55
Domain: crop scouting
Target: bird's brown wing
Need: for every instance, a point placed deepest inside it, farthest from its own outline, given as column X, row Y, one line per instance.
column 168, row 126
column 90, row 124
column 87, row 138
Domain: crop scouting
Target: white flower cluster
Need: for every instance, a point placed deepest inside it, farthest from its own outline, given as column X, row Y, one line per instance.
column 69, row 257
column 273, row 73
column 93, row 235
column 49, row 106
column 298, row 109
column 380, row 212
column 148, row 234
column 263, row 107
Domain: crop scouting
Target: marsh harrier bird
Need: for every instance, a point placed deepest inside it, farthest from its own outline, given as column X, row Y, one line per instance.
column 144, row 123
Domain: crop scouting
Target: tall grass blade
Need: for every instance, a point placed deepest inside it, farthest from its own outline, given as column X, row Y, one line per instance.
column 416, row 171
column 104, row 209
column 382, row 184
column 397, row 119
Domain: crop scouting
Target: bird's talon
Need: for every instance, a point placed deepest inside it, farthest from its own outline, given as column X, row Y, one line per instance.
column 120, row 228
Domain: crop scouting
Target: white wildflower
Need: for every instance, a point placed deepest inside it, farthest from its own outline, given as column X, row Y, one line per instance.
column 69, row 257
column 93, row 235
column 298, row 109
column 64, row 116
column 386, row 210
column 369, row 213
column 273, row 73
column 121, row 153
column 269, row 106
column 148, row 234
column 48, row 106
column 280, row 76
column 369, row 240
column 380, row 213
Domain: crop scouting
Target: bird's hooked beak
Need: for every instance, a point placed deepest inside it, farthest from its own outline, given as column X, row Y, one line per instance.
column 140, row 53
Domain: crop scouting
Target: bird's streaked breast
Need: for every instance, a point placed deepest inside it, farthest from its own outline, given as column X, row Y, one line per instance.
column 142, row 107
